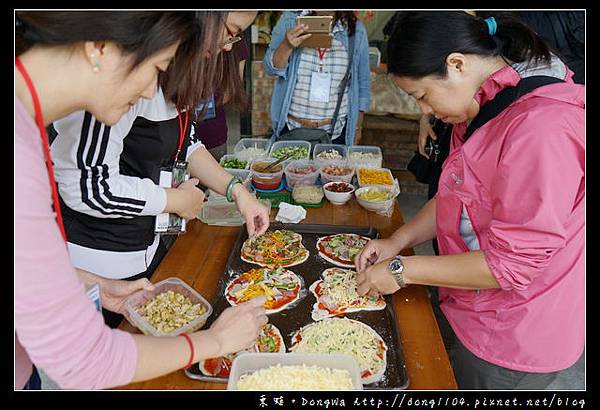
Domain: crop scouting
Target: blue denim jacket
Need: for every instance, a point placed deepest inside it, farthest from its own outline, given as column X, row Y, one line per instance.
column 359, row 92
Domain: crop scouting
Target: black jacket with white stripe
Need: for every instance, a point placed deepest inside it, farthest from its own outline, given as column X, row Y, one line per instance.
column 108, row 184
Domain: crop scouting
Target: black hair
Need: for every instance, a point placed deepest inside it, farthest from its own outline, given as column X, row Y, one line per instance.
column 420, row 42
column 138, row 33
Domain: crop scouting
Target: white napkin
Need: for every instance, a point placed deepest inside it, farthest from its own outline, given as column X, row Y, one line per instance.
column 290, row 213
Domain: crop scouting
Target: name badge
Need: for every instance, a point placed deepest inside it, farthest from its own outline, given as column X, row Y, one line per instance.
column 169, row 223
column 94, row 294
column 320, row 84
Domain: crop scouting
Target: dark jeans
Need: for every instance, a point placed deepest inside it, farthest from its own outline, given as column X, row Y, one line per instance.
column 113, row 319
column 473, row 373
column 34, row 382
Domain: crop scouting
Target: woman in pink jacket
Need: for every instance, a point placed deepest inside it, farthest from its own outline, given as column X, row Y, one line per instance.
column 509, row 213
column 102, row 62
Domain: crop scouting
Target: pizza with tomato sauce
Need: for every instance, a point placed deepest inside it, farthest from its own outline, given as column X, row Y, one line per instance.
column 345, row 336
column 341, row 249
column 336, row 295
column 269, row 341
column 275, row 248
column 281, row 288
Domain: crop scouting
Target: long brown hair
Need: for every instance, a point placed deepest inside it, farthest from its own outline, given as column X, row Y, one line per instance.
column 200, row 68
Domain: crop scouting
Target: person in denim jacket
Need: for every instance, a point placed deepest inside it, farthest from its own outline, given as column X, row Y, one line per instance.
column 288, row 60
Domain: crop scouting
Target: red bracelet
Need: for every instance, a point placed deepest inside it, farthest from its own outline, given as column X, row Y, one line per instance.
column 189, row 340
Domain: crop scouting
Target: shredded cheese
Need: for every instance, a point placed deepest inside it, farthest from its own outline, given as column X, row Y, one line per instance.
column 297, row 377
column 341, row 335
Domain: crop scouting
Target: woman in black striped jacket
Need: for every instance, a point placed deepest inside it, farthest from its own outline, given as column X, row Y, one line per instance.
column 108, row 176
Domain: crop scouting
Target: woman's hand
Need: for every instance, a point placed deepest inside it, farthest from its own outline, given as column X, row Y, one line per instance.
column 185, row 200
column 255, row 213
column 237, row 327
column 295, row 36
column 375, row 251
column 377, row 280
column 114, row 292
column 425, row 130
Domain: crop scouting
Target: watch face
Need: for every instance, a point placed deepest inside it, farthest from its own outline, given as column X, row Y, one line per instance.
column 395, row 265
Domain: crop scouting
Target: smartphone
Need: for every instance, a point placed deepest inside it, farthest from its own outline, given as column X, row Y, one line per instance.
column 316, row 24
column 320, row 28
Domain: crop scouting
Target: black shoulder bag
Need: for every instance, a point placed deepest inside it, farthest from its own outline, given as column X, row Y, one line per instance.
column 317, row 135
column 427, row 171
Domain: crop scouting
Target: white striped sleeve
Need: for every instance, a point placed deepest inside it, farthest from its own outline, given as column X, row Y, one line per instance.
column 86, row 156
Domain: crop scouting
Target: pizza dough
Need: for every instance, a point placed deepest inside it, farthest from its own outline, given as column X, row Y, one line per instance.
column 269, row 341
column 280, row 286
column 346, row 336
column 275, row 248
column 336, row 295
column 341, row 249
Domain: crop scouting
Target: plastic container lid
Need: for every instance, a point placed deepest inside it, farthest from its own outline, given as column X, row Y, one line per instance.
column 276, row 197
column 365, row 155
column 247, row 148
column 251, row 362
column 294, row 178
column 323, row 149
column 224, row 213
column 229, row 157
column 176, row 285
column 277, row 146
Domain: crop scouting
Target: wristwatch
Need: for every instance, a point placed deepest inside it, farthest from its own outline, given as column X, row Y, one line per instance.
column 396, row 267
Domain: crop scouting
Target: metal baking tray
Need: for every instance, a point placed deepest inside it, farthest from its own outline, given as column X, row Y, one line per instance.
column 288, row 321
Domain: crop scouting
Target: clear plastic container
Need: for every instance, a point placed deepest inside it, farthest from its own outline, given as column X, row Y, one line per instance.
column 383, row 171
column 250, row 362
column 252, row 148
column 276, row 150
column 365, row 156
column 224, row 213
column 176, row 285
column 336, row 171
column 229, row 157
column 242, row 174
column 323, row 153
column 301, row 172
column 266, row 180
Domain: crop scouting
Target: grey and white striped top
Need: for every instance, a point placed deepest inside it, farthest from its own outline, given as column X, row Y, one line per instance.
column 336, row 63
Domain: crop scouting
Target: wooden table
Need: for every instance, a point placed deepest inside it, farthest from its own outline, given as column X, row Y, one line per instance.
column 199, row 258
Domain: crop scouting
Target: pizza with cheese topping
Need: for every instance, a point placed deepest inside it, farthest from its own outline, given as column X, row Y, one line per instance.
column 345, row 336
column 269, row 341
column 341, row 249
column 275, row 248
column 281, row 287
column 336, row 295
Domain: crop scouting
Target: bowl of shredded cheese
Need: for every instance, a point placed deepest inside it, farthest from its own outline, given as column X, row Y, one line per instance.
column 294, row 371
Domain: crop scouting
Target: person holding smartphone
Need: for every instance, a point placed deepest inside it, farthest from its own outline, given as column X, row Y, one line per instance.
column 308, row 79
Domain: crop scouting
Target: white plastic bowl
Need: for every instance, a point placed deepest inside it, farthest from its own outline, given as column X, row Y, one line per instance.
column 375, row 205
column 337, row 198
